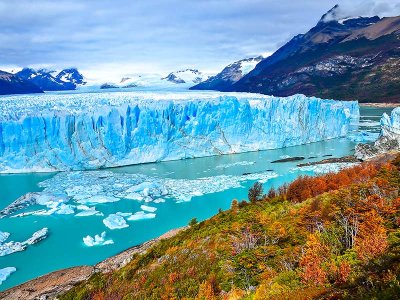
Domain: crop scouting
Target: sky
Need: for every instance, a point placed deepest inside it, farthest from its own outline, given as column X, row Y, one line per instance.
column 106, row 38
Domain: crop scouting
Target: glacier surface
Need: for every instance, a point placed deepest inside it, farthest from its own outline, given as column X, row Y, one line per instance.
column 95, row 130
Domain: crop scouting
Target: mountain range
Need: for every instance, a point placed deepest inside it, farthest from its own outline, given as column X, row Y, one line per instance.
column 351, row 58
column 49, row 80
column 12, row 84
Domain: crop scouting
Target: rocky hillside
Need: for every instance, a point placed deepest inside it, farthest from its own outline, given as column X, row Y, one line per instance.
column 231, row 74
column 350, row 58
column 48, row 80
column 12, row 84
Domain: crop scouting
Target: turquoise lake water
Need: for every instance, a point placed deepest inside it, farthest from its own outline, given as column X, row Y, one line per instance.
column 64, row 246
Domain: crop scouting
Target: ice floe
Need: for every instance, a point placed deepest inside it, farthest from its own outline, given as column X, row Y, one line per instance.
column 115, row 221
column 63, row 193
column 7, row 248
column 86, row 211
column 5, row 273
column 325, row 168
column 148, row 208
column 141, row 215
column 239, row 163
column 97, row 240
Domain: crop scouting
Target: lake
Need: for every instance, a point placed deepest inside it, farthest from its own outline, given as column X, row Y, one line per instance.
column 219, row 178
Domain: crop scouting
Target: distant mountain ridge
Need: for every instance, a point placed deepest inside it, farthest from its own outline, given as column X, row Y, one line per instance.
column 12, row 84
column 341, row 58
column 49, row 80
column 181, row 79
column 186, row 76
column 229, row 75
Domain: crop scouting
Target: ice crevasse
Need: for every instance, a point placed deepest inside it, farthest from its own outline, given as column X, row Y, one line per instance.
column 96, row 130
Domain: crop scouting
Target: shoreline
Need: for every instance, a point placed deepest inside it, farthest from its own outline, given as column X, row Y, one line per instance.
column 50, row 285
column 386, row 104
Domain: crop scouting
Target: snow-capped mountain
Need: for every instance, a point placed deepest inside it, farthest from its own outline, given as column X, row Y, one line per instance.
column 186, row 76
column 229, row 75
column 182, row 79
column 50, row 80
column 342, row 57
column 12, row 84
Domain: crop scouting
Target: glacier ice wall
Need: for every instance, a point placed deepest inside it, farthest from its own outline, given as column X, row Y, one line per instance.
column 390, row 125
column 389, row 137
column 96, row 130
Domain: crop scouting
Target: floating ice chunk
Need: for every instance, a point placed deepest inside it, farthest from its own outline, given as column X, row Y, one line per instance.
column 141, row 215
column 3, row 236
column 239, row 163
column 124, row 214
column 115, row 221
column 65, row 209
column 148, row 208
column 363, row 136
column 11, row 247
column 98, row 199
column 325, row 168
column 134, row 196
column 37, row 236
column 89, row 212
column 5, row 273
column 97, row 240
column 159, row 200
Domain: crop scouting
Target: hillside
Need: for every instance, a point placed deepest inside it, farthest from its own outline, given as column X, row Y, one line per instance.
column 355, row 58
column 12, row 84
column 335, row 236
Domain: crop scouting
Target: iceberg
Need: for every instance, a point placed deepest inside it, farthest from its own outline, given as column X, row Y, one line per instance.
column 97, row 240
column 325, row 168
column 115, row 221
column 141, row 215
column 148, row 208
column 87, row 211
column 53, row 132
column 388, row 140
column 5, row 273
column 7, row 248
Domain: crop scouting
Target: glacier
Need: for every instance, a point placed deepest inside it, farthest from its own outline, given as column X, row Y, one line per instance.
column 388, row 140
column 83, row 131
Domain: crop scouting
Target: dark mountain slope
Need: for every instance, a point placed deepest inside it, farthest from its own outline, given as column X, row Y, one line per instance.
column 12, row 84
column 67, row 79
column 335, row 60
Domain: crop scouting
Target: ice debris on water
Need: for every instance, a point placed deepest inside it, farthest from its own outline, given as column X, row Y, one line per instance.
column 97, row 240
column 148, row 208
column 325, row 168
column 141, row 215
column 68, row 192
column 5, row 273
column 115, row 221
column 7, row 248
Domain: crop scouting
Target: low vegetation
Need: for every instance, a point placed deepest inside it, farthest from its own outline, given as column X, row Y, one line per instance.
column 327, row 237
